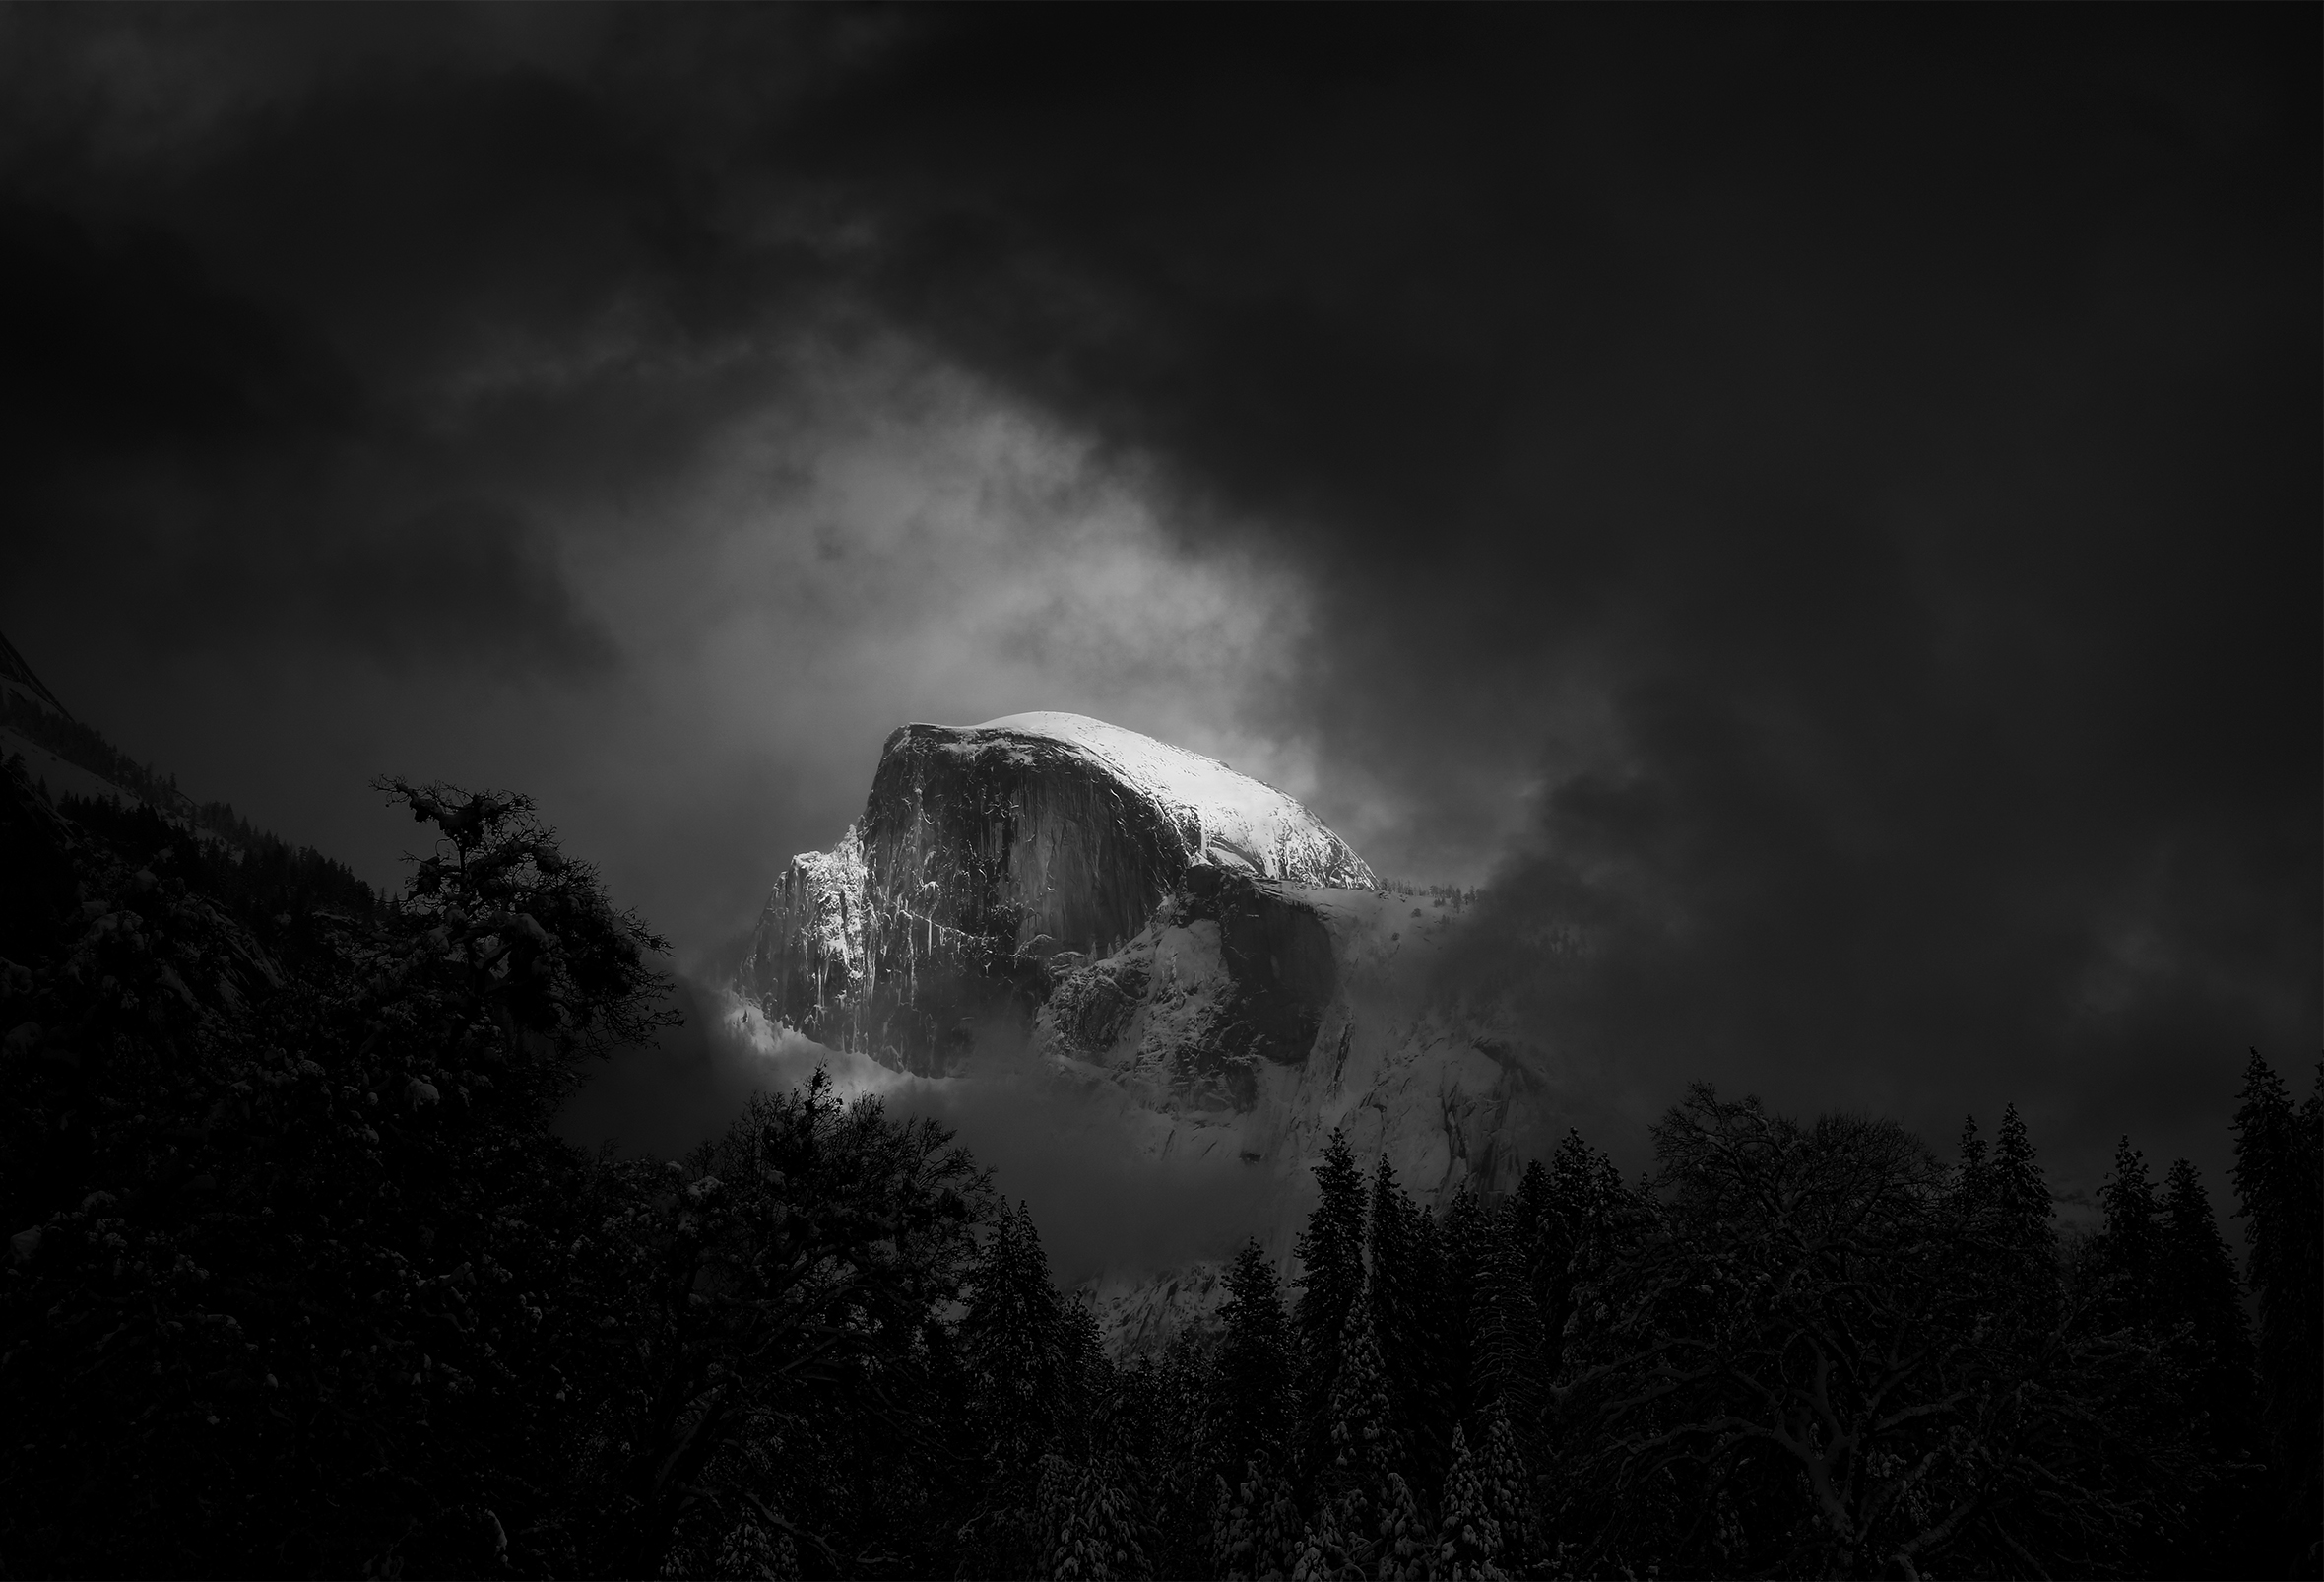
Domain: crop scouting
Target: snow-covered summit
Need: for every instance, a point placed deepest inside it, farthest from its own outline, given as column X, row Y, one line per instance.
column 1234, row 820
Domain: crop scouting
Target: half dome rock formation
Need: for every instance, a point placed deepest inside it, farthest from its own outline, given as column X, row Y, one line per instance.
column 1212, row 973
column 991, row 859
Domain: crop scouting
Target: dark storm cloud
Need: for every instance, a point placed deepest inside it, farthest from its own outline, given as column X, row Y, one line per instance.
column 1876, row 455
column 205, row 459
column 1858, row 470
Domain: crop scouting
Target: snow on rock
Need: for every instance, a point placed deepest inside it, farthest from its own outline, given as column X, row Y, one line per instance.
column 810, row 934
column 1224, row 818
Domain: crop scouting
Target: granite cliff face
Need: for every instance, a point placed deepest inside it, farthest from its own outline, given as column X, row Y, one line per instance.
column 1190, row 947
column 989, row 859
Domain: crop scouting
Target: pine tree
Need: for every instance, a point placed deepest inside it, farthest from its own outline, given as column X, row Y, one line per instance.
column 2279, row 1179
column 2021, row 1221
column 2002, row 1249
column 1506, row 1342
column 1015, row 1338
column 1975, row 1175
column 1324, row 1554
column 1407, row 1545
column 1331, row 1253
column 1252, row 1382
column 1533, row 1224
column 1508, row 1488
column 1463, row 1240
column 2199, row 1308
column 1089, row 1523
column 1165, row 1430
column 1021, row 1349
column 1406, row 1285
column 2196, row 1285
column 2124, row 1252
column 1361, row 1450
column 1230, row 1532
column 1427, row 1431
column 1592, row 1218
column 1469, row 1539
column 1259, row 1537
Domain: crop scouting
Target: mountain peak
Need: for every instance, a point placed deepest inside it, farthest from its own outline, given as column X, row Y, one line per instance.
column 984, row 850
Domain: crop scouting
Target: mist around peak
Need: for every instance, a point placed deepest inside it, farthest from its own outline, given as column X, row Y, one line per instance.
column 1075, row 1152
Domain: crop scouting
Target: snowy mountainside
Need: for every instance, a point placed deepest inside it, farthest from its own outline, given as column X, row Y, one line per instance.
column 66, row 757
column 61, row 756
column 35, row 728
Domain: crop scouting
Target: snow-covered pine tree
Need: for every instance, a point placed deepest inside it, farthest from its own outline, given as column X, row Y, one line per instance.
column 1508, row 1485
column 1089, row 1522
column 1407, row 1544
column 1469, row 1543
column 1165, row 1430
column 1324, row 1555
column 1230, row 1535
column 1361, row 1450
column 1259, row 1538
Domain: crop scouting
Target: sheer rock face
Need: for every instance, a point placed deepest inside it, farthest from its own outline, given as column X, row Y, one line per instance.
column 984, row 853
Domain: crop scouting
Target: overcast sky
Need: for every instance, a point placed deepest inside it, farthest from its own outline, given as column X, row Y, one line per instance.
column 1826, row 500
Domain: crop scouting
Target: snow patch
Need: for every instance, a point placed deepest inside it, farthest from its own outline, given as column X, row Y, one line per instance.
column 1237, row 822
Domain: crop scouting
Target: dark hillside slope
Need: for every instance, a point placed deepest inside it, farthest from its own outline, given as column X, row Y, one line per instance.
column 138, row 805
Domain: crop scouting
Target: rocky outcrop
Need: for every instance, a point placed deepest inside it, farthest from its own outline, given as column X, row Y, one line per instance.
column 983, row 853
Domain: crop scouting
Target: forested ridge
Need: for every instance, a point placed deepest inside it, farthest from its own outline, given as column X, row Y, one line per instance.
column 301, row 1282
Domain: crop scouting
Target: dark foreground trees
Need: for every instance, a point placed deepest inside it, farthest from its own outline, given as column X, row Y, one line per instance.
column 1798, row 1349
column 1831, row 1357
column 301, row 1282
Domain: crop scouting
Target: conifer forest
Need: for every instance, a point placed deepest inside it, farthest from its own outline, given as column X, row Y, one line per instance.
column 302, row 1283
